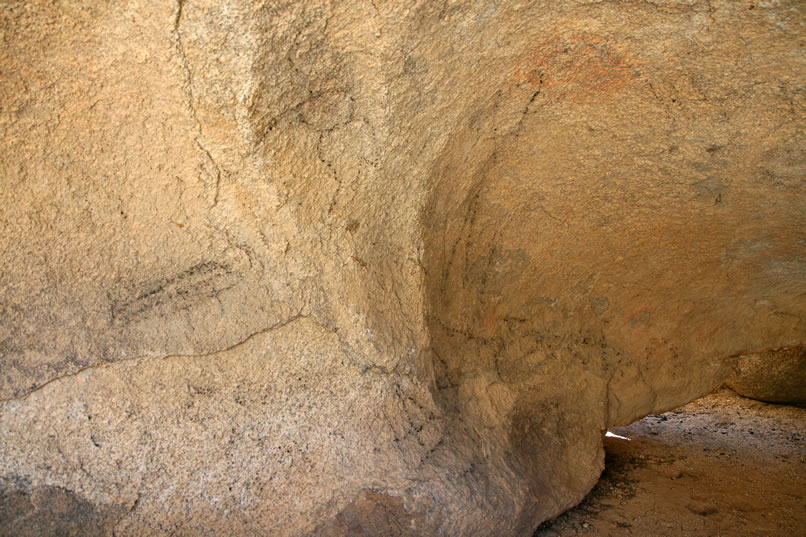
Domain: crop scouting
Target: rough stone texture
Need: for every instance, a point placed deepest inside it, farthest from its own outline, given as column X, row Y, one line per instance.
column 350, row 268
column 776, row 375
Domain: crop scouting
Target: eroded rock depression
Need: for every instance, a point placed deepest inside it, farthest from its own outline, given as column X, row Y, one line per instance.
column 378, row 268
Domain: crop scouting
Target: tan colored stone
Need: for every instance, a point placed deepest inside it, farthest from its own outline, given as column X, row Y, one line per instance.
column 346, row 268
column 775, row 375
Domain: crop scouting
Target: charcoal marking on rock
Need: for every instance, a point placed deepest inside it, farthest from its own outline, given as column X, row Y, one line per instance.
column 183, row 291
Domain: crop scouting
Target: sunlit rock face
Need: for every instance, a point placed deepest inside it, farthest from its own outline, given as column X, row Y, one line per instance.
column 774, row 375
column 355, row 268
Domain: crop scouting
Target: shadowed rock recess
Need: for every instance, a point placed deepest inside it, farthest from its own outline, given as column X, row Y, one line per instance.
column 379, row 268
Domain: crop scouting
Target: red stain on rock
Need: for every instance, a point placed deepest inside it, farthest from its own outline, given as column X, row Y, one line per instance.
column 577, row 67
column 707, row 332
column 488, row 325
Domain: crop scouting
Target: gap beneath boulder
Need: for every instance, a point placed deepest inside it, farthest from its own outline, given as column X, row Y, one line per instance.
column 721, row 465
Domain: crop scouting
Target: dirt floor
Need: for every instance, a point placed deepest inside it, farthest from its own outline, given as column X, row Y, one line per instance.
column 720, row 466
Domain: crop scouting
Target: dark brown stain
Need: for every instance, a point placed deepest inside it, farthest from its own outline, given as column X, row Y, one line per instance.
column 53, row 511
column 374, row 514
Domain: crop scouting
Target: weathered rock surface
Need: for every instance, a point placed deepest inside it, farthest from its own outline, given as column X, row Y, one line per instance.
column 775, row 375
column 362, row 268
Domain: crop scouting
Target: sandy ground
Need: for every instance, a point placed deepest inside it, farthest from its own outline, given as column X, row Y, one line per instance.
column 720, row 466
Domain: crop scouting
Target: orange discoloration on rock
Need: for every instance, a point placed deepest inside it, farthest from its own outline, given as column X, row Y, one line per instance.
column 707, row 332
column 488, row 324
column 578, row 67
